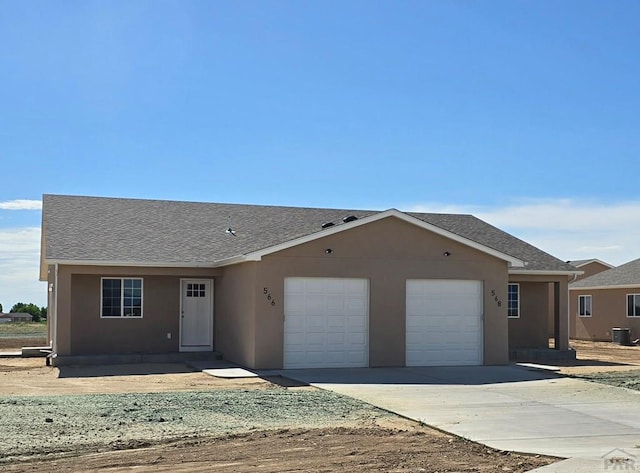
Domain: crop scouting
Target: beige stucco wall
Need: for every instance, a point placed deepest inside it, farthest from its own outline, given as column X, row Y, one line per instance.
column 608, row 309
column 387, row 253
column 235, row 331
column 590, row 269
column 81, row 330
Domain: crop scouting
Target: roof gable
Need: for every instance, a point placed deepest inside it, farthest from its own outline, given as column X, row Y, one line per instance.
column 583, row 262
column 257, row 255
column 626, row 275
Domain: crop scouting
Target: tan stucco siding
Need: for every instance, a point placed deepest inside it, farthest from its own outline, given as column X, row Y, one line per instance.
column 63, row 311
column 81, row 330
column 590, row 269
column 235, row 330
column 387, row 253
column 608, row 310
column 91, row 334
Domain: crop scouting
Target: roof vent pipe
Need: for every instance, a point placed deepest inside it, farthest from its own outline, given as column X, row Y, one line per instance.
column 328, row 224
column 349, row 218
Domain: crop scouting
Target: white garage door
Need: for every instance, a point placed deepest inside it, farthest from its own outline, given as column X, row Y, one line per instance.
column 444, row 322
column 326, row 323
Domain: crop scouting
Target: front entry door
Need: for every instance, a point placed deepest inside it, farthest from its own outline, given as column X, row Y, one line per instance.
column 196, row 315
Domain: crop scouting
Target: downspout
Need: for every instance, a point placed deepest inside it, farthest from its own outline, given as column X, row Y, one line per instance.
column 54, row 345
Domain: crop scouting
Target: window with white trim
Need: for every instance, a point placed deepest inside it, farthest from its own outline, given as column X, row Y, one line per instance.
column 513, row 301
column 584, row 306
column 121, row 297
column 633, row 305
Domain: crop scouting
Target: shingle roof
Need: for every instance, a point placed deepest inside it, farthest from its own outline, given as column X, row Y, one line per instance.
column 154, row 231
column 627, row 274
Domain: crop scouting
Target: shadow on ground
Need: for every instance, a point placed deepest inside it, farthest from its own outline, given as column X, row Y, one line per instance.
column 450, row 375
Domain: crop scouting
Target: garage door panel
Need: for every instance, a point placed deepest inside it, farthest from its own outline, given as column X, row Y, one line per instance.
column 336, row 340
column 357, row 323
column 335, row 306
column 332, row 320
column 356, row 305
column 314, row 340
column 336, row 323
column 356, row 359
column 443, row 322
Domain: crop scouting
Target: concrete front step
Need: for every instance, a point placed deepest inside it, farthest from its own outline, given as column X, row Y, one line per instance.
column 10, row 354
column 135, row 358
column 541, row 354
column 32, row 352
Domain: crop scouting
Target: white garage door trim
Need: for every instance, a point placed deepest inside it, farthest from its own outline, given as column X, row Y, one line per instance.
column 326, row 323
column 444, row 322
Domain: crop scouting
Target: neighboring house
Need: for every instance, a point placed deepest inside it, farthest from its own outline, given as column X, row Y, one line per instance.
column 589, row 267
column 606, row 300
column 15, row 317
column 273, row 287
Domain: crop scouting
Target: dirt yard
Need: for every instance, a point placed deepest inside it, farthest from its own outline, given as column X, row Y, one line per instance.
column 169, row 418
column 594, row 357
column 607, row 363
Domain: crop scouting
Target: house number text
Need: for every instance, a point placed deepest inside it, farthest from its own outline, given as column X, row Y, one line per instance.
column 495, row 298
column 267, row 294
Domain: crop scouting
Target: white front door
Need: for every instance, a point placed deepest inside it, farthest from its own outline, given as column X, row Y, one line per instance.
column 196, row 315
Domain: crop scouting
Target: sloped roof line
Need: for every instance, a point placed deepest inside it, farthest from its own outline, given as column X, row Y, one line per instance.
column 257, row 255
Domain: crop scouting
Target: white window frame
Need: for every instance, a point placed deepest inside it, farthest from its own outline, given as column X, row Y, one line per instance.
column 122, row 280
column 586, row 297
column 518, row 294
column 634, row 295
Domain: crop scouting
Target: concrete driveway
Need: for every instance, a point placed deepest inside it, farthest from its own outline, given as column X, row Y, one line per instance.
column 505, row 407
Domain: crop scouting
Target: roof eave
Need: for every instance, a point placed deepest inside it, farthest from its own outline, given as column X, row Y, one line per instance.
column 144, row 264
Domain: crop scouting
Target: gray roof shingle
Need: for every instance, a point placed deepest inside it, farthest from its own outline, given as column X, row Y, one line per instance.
column 154, row 231
column 627, row 274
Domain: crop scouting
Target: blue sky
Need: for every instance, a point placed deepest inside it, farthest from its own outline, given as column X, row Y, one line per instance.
column 524, row 113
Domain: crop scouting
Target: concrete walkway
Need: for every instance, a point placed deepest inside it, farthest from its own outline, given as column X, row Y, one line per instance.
column 505, row 407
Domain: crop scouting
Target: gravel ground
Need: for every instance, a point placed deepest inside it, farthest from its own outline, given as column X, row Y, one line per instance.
column 623, row 379
column 38, row 425
column 168, row 418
